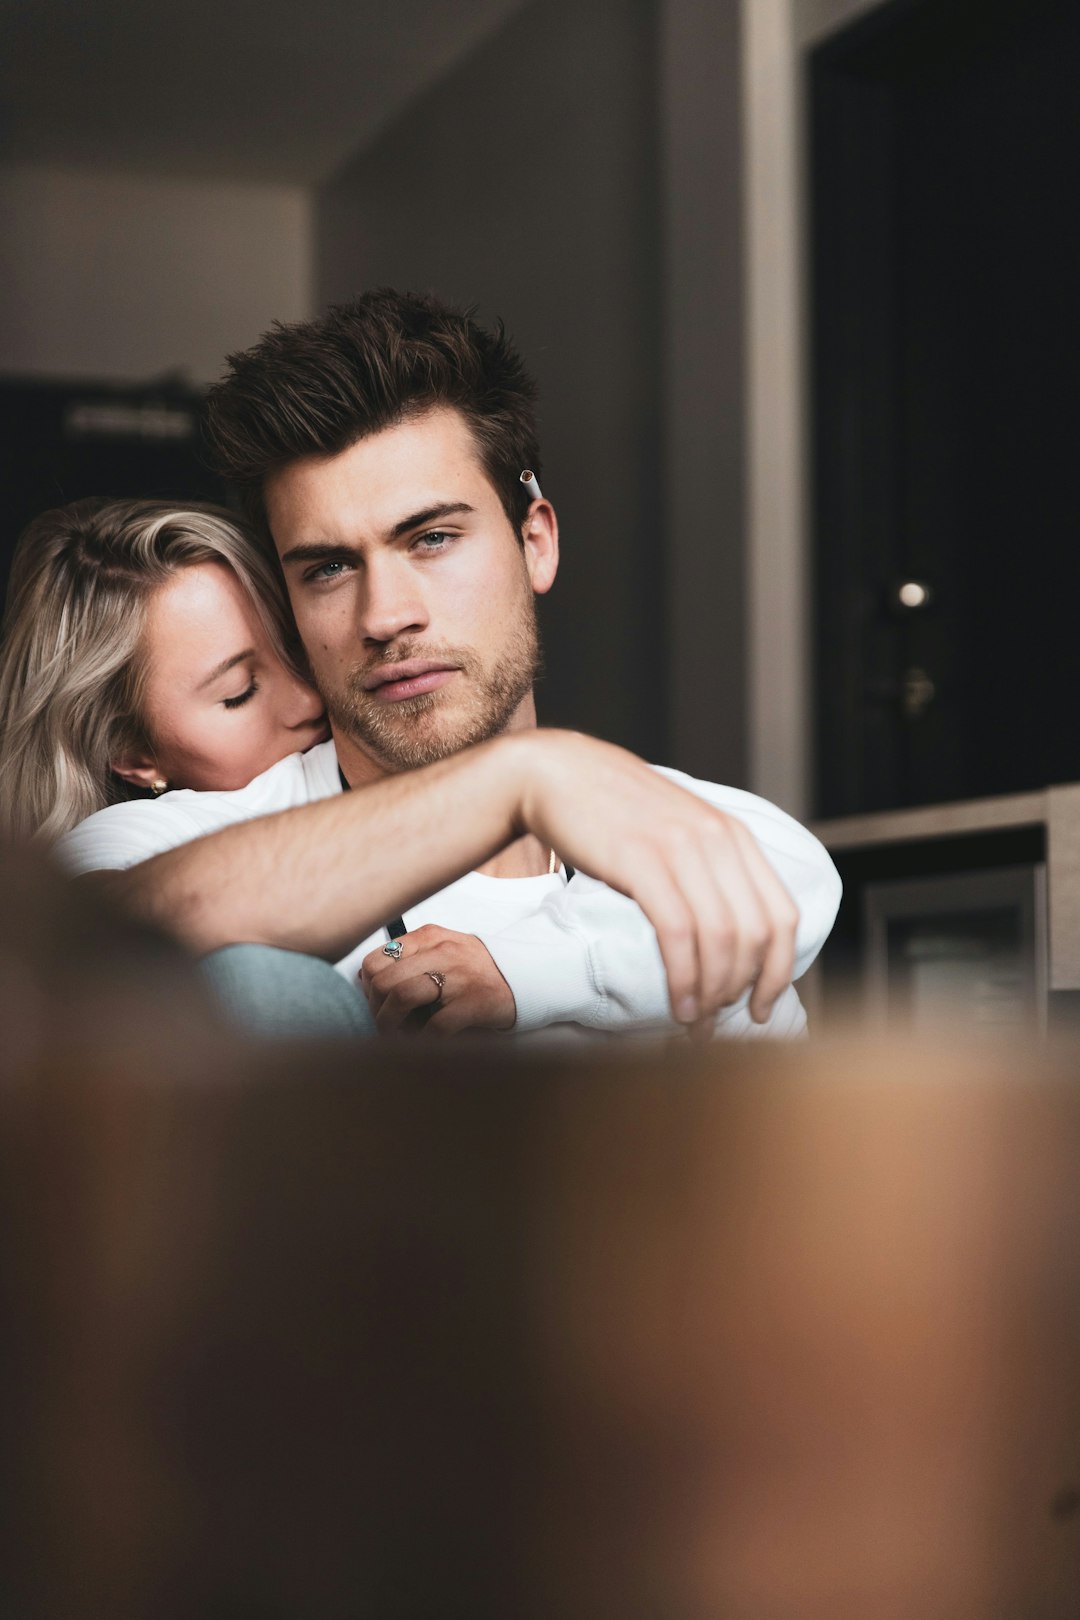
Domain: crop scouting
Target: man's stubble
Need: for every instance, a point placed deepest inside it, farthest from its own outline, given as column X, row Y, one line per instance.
column 477, row 704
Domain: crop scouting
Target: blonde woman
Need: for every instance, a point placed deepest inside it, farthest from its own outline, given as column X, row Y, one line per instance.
column 145, row 646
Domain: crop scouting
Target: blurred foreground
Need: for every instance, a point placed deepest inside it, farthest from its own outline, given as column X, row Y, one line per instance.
column 753, row 1332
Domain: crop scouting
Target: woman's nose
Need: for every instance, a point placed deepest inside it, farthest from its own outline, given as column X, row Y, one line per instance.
column 304, row 705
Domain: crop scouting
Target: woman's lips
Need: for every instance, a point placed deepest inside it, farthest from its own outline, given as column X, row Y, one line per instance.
column 408, row 685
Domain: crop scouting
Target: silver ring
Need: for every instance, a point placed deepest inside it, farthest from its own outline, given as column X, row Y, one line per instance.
column 438, row 978
column 394, row 949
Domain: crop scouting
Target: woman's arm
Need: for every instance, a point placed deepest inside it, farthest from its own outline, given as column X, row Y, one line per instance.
column 588, row 956
column 319, row 877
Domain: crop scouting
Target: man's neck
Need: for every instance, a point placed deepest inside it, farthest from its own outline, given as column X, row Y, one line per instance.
column 357, row 766
column 525, row 857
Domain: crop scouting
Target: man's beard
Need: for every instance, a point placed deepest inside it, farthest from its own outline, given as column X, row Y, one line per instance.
column 479, row 702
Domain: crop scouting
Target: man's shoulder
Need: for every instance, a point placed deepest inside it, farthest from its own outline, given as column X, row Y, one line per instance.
column 739, row 801
column 776, row 832
column 125, row 834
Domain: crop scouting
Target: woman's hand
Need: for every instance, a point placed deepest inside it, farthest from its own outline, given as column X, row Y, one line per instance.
column 405, row 998
column 724, row 922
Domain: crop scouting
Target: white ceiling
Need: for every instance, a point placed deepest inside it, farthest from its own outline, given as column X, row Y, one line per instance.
column 283, row 90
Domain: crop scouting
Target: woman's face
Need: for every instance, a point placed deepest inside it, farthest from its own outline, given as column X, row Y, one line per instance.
column 218, row 703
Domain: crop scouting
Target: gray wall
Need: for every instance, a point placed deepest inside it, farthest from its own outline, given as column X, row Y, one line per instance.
column 553, row 179
column 705, row 517
column 125, row 276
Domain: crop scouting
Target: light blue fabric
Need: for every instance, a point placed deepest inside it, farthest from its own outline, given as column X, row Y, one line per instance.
column 275, row 993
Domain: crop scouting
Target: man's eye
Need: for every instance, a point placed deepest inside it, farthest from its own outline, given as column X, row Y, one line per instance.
column 241, row 698
column 333, row 568
column 434, row 540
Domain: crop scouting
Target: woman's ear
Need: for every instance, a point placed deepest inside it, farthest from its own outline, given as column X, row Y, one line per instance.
column 138, row 769
column 540, row 538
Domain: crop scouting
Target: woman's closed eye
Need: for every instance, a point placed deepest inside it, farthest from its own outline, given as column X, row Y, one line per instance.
column 241, row 698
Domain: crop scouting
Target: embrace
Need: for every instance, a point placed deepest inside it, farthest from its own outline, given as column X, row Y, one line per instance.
column 365, row 830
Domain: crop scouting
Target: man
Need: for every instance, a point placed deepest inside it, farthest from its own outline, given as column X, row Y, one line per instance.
column 381, row 451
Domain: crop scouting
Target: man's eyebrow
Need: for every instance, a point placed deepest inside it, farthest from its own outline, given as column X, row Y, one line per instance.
column 430, row 514
column 321, row 550
column 315, row 550
column 224, row 667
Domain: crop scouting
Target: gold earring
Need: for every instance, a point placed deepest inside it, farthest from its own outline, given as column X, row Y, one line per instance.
column 159, row 786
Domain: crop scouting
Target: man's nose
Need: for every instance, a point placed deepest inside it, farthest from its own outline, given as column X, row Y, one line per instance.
column 391, row 603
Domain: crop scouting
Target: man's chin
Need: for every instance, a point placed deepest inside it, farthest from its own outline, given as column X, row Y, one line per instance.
column 410, row 752
column 411, row 734
column 415, row 731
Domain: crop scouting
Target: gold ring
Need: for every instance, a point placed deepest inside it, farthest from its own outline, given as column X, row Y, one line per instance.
column 439, row 980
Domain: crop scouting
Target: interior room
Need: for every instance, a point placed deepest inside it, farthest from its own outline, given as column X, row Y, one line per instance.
column 773, row 380
column 669, row 1326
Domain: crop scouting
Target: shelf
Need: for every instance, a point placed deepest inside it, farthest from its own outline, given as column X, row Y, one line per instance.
column 1055, row 808
column 934, row 821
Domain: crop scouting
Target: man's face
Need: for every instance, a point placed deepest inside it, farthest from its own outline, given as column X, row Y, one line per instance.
column 412, row 593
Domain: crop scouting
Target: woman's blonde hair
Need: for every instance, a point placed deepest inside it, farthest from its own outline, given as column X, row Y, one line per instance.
column 71, row 653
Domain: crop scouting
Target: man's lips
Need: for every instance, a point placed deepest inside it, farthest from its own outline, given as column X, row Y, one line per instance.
column 394, row 682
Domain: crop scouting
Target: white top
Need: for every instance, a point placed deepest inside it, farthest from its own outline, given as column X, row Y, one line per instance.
column 573, row 953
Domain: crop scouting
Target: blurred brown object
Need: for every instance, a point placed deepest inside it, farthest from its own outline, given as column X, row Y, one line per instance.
column 78, row 978
column 752, row 1332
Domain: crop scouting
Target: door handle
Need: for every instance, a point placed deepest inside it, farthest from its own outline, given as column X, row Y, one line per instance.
column 913, row 693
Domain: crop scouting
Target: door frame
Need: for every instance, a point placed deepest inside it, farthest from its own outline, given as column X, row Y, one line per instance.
column 776, row 37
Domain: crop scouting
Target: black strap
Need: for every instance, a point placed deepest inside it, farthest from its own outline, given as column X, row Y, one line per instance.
column 396, row 927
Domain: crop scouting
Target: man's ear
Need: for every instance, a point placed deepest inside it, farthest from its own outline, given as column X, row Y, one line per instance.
column 137, row 768
column 540, row 537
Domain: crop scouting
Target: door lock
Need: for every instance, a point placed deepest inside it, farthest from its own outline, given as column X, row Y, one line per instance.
column 917, row 692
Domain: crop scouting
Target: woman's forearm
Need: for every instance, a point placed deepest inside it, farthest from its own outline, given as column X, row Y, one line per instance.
column 322, row 876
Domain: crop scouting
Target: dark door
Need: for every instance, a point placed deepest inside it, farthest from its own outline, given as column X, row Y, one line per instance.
column 946, row 297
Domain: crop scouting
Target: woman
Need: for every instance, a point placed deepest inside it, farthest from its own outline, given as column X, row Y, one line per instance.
column 145, row 646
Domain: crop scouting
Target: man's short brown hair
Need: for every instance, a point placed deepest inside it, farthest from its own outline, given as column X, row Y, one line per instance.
column 313, row 388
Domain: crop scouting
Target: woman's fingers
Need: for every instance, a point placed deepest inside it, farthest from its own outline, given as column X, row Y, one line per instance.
column 731, row 925
column 453, row 1018
column 724, row 922
column 778, row 960
column 656, row 891
column 406, row 995
column 397, row 989
column 412, row 992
